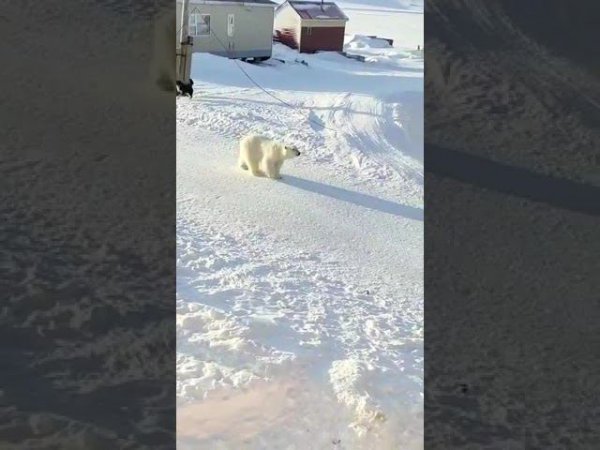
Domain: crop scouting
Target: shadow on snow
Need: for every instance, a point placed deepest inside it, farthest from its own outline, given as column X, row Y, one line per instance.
column 356, row 198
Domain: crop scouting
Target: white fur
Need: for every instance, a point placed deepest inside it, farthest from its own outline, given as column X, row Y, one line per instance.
column 263, row 156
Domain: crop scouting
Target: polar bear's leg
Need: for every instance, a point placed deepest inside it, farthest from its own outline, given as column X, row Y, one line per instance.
column 272, row 169
column 254, row 170
column 277, row 169
column 269, row 169
column 242, row 164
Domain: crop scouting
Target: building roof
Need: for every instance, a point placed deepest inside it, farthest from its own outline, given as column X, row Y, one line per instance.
column 317, row 10
column 241, row 2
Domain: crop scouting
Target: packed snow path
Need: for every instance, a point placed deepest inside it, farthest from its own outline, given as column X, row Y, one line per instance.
column 299, row 301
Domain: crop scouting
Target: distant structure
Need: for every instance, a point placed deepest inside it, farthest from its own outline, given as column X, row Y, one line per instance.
column 310, row 26
column 240, row 29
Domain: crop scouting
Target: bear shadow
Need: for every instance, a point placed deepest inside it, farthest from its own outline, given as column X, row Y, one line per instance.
column 356, row 198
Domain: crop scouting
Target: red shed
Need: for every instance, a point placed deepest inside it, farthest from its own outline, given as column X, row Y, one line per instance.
column 310, row 26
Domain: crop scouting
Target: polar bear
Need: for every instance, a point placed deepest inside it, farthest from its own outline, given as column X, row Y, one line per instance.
column 263, row 156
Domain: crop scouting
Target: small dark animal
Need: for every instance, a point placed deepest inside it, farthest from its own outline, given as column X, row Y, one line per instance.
column 185, row 89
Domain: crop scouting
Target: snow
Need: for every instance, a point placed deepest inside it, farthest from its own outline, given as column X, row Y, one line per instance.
column 299, row 301
column 365, row 42
column 399, row 20
column 311, row 10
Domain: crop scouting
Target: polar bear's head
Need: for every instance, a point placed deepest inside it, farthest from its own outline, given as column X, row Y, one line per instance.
column 290, row 151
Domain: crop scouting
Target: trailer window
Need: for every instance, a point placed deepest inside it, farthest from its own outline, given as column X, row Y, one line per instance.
column 199, row 24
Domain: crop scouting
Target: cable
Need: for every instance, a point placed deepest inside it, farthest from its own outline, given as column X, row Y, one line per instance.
column 254, row 82
column 283, row 102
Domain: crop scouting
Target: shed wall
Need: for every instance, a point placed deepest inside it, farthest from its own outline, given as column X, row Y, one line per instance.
column 322, row 38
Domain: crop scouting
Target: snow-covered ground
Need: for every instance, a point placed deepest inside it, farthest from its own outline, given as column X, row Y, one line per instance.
column 400, row 20
column 299, row 301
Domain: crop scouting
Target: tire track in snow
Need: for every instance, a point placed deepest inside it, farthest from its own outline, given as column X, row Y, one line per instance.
column 367, row 141
column 256, row 308
column 374, row 137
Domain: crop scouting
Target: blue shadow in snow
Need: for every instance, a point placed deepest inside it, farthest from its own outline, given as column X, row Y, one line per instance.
column 366, row 201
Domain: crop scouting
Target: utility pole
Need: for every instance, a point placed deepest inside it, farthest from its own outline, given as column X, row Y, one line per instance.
column 184, row 56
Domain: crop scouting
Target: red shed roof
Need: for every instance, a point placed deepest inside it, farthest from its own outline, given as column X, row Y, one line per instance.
column 318, row 11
